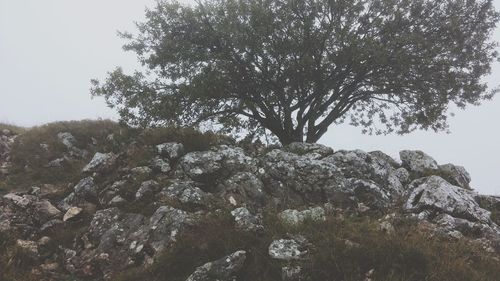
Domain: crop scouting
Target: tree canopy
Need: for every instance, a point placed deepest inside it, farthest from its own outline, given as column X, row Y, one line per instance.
column 295, row 67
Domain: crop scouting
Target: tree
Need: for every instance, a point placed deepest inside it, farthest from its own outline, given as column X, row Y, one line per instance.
column 295, row 67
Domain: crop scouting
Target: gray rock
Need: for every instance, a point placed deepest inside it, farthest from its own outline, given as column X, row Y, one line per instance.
column 286, row 249
column 162, row 165
column 295, row 217
column 69, row 141
column 17, row 200
column 361, row 165
column 456, row 175
column 99, row 162
column 186, row 192
column 147, row 190
column 224, row 269
column 216, row 164
column 368, row 192
column 247, row 221
column 72, row 213
column 45, row 210
column 418, row 162
column 171, row 150
column 243, row 187
column 286, row 173
column 86, row 188
column 311, row 150
column 434, row 193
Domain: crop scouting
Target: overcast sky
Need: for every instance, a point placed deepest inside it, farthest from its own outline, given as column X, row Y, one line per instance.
column 49, row 51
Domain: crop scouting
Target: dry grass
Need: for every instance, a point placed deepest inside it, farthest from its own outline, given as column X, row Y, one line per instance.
column 408, row 255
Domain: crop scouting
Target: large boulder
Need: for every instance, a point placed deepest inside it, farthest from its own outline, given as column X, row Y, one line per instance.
column 436, row 194
column 418, row 162
column 290, row 177
column 216, row 164
column 311, row 150
column 375, row 166
column 456, row 175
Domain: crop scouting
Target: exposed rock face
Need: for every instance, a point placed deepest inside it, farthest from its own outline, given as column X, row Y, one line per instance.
column 224, row 269
column 218, row 163
column 456, row 175
column 418, row 162
column 127, row 213
column 310, row 150
column 308, row 179
column 436, row 194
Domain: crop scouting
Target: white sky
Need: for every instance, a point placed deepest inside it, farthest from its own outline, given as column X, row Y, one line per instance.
column 49, row 51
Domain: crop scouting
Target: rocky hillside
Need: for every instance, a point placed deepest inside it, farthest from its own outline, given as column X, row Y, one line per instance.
column 96, row 201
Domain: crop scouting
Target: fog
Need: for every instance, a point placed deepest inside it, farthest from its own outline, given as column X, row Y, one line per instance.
column 49, row 51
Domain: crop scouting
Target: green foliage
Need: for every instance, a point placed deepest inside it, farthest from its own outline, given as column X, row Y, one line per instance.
column 296, row 67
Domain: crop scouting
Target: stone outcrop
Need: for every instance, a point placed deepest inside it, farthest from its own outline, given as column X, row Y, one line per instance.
column 126, row 214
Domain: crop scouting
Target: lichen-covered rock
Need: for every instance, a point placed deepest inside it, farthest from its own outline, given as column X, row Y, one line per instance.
column 418, row 162
column 161, row 165
column 86, row 188
column 361, row 165
column 171, row 150
column 456, row 175
column 186, row 192
column 147, row 190
column 368, row 193
column 246, row 220
column 310, row 150
column 376, row 167
column 224, row 269
column 310, row 179
column 99, row 162
column 216, row 164
column 243, row 187
column 295, row 217
column 435, row 194
column 286, row 249
column 134, row 237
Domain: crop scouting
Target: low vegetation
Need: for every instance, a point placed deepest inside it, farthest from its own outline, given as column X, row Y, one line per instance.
column 341, row 249
column 37, row 146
